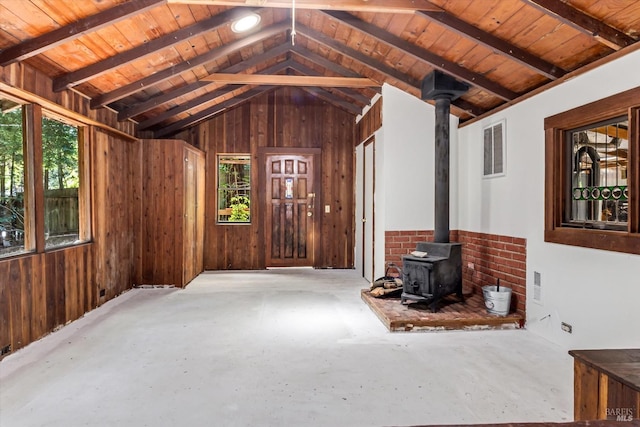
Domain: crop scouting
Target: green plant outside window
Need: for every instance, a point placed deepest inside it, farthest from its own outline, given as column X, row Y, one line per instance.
column 234, row 189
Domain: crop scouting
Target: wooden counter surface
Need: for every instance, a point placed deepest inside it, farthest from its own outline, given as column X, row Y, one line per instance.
column 623, row 365
column 607, row 384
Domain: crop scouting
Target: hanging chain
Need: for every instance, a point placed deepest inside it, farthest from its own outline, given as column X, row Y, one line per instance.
column 293, row 22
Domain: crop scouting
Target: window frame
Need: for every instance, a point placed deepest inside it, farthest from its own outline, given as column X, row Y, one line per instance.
column 557, row 163
column 32, row 115
column 27, row 245
column 84, row 200
column 220, row 156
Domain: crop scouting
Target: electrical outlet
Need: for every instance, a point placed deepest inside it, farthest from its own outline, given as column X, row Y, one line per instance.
column 566, row 327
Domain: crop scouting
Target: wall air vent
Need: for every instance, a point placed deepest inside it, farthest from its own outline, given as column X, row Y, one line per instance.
column 537, row 288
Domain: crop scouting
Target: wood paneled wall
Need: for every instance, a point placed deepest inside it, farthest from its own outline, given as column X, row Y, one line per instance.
column 40, row 292
column 170, row 226
column 43, row 291
column 285, row 117
column 370, row 122
column 117, row 206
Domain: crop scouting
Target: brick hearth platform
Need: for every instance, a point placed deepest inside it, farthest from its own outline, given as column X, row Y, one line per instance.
column 451, row 314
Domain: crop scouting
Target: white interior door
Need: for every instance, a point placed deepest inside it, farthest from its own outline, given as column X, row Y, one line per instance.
column 359, row 210
column 368, row 220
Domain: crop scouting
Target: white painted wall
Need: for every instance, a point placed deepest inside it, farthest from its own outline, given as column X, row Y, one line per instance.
column 408, row 127
column 597, row 292
column 404, row 177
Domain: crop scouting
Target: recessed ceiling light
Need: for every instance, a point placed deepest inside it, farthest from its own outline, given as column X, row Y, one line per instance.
column 245, row 23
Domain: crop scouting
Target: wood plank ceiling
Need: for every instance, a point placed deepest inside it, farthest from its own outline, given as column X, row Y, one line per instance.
column 161, row 63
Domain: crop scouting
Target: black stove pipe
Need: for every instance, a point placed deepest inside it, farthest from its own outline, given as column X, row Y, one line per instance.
column 443, row 89
column 441, row 202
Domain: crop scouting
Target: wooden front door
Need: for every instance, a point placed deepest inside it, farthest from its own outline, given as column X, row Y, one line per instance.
column 291, row 212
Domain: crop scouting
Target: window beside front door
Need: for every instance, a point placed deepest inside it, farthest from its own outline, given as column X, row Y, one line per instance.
column 234, row 188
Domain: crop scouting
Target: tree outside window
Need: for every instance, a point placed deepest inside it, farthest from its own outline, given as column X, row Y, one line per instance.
column 234, row 189
column 12, row 226
column 61, row 176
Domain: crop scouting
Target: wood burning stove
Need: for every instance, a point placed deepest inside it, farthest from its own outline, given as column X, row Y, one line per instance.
column 438, row 274
column 428, row 279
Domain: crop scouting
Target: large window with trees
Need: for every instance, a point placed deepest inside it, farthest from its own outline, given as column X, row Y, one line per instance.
column 592, row 175
column 234, row 188
column 12, row 179
column 44, row 198
column 61, row 181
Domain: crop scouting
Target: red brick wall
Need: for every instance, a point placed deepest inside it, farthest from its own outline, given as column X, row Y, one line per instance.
column 485, row 258
column 398, row 243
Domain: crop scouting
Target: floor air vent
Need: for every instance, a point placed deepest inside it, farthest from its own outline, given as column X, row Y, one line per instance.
column 5, row 350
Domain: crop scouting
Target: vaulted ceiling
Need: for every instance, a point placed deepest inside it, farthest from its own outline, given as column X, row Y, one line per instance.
column 169, row 64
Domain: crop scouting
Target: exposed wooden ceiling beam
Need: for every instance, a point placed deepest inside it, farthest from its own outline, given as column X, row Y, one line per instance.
column 64, row 34
column 384, row 6
column 323, row 94
column 328, row 65
column 331, row 43
column 164, row 97
column 96, row 69
column 323, row 62
column 605, row 34
column 424, row 55
column 353, row 94
column 202, row 99
column 279, row 80
column 377, row 66
column 211, row 111
column 230, row 103
column 494, row 43
column 334, row 100
column 167, row 73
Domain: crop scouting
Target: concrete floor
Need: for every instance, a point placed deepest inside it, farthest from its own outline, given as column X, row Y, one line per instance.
column 284, row 347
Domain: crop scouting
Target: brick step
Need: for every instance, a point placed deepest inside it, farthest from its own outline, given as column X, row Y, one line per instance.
column 451, row 315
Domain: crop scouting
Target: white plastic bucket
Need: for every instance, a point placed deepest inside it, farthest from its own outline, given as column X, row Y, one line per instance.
column 497, row 302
